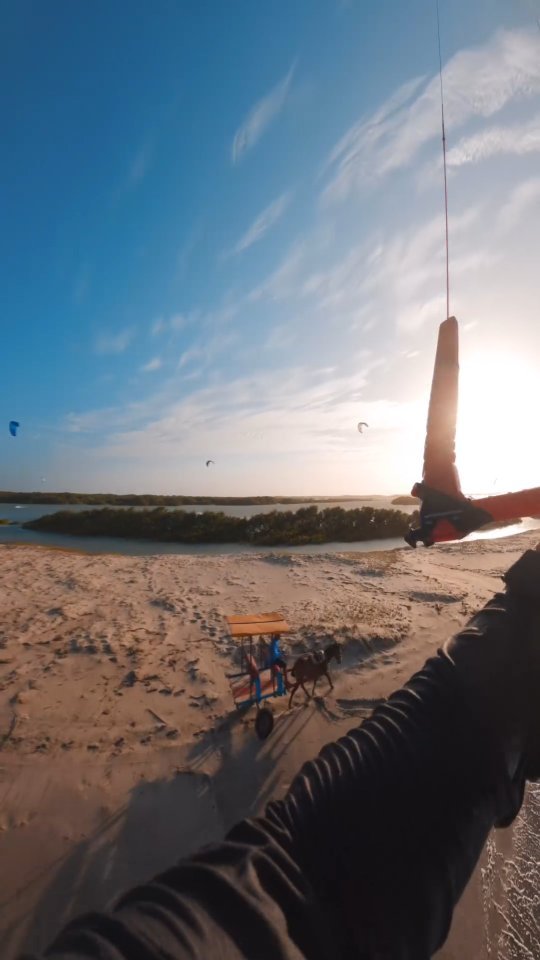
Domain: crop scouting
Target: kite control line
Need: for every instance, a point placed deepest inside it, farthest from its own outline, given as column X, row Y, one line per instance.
column 446, row 513
column 443, row 130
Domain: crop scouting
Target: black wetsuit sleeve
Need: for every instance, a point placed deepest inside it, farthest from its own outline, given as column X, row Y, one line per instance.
column 365, row 857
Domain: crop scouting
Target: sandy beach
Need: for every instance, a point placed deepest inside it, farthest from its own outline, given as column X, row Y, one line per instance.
column 120, row 748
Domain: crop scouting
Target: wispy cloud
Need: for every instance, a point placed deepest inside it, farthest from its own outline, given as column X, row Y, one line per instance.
column 522, row 200
column 516, row 138
column 94, row 421
column 198, row 319
column 260, row 117
column 158, row 326
column 405, row 281
column 176, row 322
column 350, row 162
column 393, row 279
column 155, row 364
column 189, row 356
column 371, row 129
column 179, row 321
column 140, row 165
column 202, row 353
column 81, row 285
column 282, row 282
column 280, row 338
column 241, row 424
column 115, row 342
column 313, row 402
column 263, row 223
column 478, row 82
column 187, row 249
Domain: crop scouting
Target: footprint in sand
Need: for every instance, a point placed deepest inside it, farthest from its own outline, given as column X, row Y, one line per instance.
column 163, row 604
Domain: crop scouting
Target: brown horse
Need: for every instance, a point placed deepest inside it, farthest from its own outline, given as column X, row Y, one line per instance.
column 311, row 667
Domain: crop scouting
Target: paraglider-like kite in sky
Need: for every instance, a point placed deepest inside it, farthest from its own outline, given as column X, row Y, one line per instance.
column 208, row 462
column 13, row 427
column 361, row 426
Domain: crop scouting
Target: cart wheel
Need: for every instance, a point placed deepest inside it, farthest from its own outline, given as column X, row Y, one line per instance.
column 264, row 723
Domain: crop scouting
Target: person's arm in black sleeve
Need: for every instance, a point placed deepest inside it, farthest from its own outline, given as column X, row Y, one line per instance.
column 372, row 846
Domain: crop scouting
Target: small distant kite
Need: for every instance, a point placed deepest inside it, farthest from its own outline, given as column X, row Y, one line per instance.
column 361, row 426
column 208, row 462
column 13, row 427
column 44, row 479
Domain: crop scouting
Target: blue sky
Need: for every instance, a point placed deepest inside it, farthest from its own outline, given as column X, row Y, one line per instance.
column 223, row 237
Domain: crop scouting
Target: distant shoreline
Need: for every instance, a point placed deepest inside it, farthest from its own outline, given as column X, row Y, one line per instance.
column 169, row 500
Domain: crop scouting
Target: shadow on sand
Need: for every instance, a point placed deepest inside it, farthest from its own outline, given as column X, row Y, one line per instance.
column 163, row 820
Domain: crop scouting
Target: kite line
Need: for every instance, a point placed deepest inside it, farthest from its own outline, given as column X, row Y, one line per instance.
column 444, row 164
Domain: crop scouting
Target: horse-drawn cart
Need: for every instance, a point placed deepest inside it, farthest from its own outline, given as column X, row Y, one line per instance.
column 262, row 668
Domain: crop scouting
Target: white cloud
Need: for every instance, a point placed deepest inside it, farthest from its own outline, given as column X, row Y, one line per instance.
column 152, row 365
column 189, row 356
column 283, row 281
column 423, row 312
column 92, row 421
column 478, row 82
column 140, row 165
column 521, row 201
column 178, row 321
column 188, row 248
column 82, row 283
column 372, row 129
column 406, row 281
column 311, row 402
column 291, row 429
column 280, row 338
column 517, row 139
column 158, row 326
column 260, row 117
column 264, row 222
column 288, row 278
column 392, row 282
column 208, row 350
column 115, row 342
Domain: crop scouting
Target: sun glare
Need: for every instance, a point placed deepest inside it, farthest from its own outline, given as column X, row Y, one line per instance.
column 497, row 448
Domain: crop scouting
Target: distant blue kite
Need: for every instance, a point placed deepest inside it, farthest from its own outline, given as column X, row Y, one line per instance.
column 13, row 427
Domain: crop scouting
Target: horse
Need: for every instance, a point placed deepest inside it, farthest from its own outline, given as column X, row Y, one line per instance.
column 311, row 667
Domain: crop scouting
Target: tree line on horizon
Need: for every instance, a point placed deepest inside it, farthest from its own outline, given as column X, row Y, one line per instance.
column 155, row 499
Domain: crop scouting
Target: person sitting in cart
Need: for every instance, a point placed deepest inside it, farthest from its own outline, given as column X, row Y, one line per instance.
column 275, row 654
column 277, row 660
column 271, row 653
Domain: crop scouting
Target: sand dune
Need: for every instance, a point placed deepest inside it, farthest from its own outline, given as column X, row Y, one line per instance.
column 120, row 750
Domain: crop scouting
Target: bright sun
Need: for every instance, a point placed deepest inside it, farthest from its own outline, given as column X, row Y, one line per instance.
column 497, row 445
